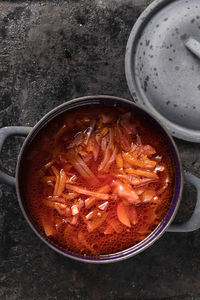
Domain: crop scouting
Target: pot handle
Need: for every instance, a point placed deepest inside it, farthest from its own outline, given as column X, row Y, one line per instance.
column 4, row 133
column 194, row 222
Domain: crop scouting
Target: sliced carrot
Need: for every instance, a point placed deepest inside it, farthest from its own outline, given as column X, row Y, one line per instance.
column 90, row 215
column 53, row 204
column 89, row 202
column 135, row 181
column 123, row 215
column 142, row 173
column 56, row 199
column 69, row 196
column 126, row 165
column 135, row 152
column 119, row 161
column 146, row 164
column 55, row 171
column 62, row 182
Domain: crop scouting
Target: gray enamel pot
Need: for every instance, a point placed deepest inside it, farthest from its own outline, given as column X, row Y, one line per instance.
column 165, row 225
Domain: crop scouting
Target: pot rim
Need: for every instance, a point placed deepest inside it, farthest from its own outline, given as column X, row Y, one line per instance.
column 158, row 231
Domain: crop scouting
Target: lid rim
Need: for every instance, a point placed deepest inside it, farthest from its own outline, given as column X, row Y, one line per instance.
column 178, row 131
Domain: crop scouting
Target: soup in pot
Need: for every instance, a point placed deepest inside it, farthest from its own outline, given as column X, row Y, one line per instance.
column 98, row 180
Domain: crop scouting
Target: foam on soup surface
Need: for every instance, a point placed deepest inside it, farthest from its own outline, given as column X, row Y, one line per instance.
column 98, row 180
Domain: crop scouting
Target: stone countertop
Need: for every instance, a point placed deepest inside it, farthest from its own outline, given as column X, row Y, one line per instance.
column 52, row 51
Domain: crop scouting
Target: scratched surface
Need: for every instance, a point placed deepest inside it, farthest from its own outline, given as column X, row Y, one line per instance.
column 52, row 51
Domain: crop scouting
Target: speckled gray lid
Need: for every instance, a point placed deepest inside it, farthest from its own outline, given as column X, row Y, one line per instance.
column 162, row 65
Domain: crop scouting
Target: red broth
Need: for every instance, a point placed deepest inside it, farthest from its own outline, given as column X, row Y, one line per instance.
column 98, row 180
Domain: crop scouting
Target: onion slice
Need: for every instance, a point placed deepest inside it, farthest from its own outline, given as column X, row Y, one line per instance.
column 86, row 192
column 80, row 165
column 136, row 181
column 125, row 192
column 88, row 132
column 111, row 160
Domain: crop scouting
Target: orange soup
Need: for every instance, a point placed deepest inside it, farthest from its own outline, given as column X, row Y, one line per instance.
column 98, row 180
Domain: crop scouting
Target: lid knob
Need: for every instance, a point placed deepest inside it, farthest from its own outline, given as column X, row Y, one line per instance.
column 193, row 45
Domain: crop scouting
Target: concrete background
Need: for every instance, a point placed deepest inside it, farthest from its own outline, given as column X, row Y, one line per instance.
column 52, row 51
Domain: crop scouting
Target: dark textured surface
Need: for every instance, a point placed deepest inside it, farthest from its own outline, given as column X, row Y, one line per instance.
column 51, row 52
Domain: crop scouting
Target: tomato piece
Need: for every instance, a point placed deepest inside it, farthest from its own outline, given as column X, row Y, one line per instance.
column 123, row 214
column 148, row 195
column 132, row 213
column 125, row 192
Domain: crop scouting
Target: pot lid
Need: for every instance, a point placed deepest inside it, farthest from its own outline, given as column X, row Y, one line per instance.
column 162, row 65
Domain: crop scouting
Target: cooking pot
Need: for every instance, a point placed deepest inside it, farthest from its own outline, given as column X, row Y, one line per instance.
column 192, row 224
